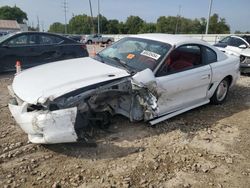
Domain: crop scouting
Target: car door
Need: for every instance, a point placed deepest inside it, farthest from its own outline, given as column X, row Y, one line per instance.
column 183, row 79
column 235, row 43
column 49, row 48
column 13, row 50
column 33, row 51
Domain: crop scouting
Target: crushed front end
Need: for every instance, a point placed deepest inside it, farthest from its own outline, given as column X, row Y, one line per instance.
column 70, row 117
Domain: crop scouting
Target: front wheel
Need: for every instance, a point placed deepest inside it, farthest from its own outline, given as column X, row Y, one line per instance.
column 221, row 92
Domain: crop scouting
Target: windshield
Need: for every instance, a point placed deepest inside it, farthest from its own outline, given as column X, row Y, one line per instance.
column 2, row 38
column 135, row 53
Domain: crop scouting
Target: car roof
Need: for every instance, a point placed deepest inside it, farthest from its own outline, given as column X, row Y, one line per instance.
column 171, row 39
column 177, row 40
column 44, row 33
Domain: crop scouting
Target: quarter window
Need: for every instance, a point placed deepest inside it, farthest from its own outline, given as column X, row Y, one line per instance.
column 211, row 56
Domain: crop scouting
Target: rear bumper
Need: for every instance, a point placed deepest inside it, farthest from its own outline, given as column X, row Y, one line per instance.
column 46, row 127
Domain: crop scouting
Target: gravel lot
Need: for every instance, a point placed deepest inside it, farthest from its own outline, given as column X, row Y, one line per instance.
column 206, row 147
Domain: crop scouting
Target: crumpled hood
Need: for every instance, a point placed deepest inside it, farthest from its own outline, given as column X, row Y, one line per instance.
column 55, row 79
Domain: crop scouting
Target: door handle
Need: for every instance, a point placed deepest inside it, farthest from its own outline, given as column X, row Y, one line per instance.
column 207, row 76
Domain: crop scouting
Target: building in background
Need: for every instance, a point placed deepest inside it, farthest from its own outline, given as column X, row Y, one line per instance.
column 8, row 26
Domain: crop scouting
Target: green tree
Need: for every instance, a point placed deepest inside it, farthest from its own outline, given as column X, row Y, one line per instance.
column 134, row 24
column 80, row 24
column 113, row 27
column 218, row 25
column 166, row 24
column 122, row 28
column 13, row 13
column 148, row 28
column 103, row 24
column 57, row 27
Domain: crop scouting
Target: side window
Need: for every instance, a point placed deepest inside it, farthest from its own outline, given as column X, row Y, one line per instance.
column 33, row 39
column 237, row 42
column 183, row 58
column 210, row 55
column 46, row 40
column 225, row 40
column 19, row 41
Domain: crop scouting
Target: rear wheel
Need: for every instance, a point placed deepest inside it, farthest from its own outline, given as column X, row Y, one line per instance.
column 221, row 92
column 89, row 42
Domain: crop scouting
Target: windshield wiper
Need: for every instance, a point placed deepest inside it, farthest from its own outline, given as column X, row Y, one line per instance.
column 123, row 64
column 100, row 58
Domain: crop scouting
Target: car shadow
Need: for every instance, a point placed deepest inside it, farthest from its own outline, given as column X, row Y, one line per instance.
column 110, row 143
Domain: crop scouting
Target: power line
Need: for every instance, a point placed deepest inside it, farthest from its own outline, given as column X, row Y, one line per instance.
column 38, row 23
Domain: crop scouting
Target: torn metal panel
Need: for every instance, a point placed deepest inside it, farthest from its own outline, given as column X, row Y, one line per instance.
column 69, row 117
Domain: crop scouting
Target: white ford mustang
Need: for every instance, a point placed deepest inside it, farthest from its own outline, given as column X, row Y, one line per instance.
column 149, row 77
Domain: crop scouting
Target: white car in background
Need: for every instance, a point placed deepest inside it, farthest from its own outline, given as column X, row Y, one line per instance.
column 239, row 46
column 148, row 77
column 97, row 38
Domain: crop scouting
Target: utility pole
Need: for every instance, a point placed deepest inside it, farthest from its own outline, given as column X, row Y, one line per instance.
column 178, row 19
column 38, row 23
column 42, row 26
column 65, row 9
column 208, row 17
column 93, row 27
column 98, row 17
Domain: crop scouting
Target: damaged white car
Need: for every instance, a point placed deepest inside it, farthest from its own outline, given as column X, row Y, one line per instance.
column 149, row 77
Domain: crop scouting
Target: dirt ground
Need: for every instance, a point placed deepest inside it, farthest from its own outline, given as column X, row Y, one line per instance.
column 205, row 147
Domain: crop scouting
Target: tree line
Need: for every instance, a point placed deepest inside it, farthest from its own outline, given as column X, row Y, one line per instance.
column 83, row 24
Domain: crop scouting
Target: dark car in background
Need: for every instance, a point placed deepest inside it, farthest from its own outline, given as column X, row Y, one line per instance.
column 35, row 48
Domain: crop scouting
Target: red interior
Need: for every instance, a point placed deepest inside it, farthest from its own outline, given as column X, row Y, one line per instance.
column 179, row 60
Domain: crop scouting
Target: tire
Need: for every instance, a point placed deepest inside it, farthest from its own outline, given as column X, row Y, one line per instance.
column 89, row 42
column 221, row 92
column 109, row 42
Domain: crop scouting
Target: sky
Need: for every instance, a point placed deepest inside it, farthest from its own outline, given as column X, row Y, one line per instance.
column 236, row 12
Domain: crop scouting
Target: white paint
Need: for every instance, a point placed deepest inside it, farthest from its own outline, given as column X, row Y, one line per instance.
column 46, row 127
column 144, row 77
column 183, row 89
column 168, row 116
column 210, row 38
column 55, row 79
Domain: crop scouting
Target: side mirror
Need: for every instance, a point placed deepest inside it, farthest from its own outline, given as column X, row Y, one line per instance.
column 243, row 46
column 145, row 77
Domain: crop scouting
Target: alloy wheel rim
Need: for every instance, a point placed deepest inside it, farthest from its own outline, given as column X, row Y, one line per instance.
column 222, row 90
